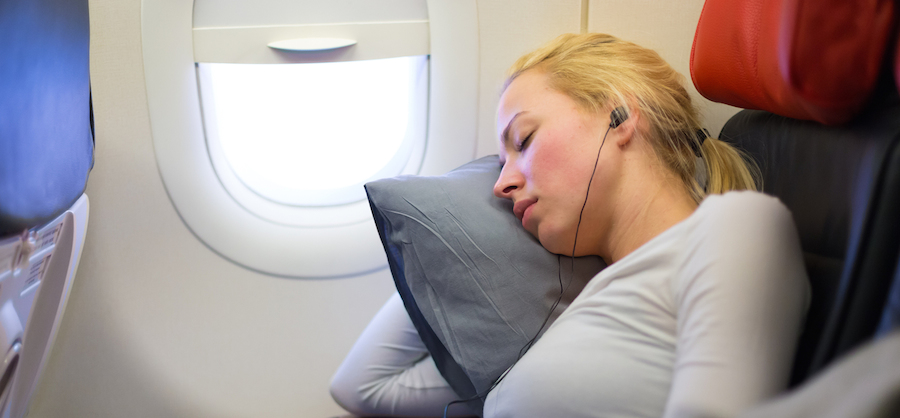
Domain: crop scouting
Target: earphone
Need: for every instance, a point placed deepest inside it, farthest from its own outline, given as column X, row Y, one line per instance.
column 616, row 118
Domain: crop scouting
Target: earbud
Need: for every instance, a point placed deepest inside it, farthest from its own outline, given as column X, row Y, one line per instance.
column 617, row 116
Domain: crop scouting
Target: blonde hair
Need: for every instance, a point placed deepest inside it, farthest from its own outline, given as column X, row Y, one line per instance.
column 598, row 70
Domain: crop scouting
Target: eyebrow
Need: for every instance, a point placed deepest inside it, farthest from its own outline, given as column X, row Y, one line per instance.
column 505, row 136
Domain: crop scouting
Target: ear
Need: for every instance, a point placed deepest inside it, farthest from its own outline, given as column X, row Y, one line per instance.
column 625, row 132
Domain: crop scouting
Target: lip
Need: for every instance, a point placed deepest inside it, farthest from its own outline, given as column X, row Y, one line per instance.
column 521, row 206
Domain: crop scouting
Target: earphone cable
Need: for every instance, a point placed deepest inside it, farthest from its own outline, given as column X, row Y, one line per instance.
column 527, row 346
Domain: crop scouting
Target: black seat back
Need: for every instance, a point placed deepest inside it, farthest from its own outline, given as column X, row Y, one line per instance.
column 842, row 185
column 890, row 317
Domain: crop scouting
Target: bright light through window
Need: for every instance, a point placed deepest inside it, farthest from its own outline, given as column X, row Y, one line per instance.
column 286, row 129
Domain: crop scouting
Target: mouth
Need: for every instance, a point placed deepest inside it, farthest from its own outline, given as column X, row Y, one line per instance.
column 521, row 207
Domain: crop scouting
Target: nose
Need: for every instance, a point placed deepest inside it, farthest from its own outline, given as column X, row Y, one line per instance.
column 510, row 180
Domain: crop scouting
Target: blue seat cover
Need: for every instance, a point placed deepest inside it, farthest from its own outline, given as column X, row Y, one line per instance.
column 46, row 138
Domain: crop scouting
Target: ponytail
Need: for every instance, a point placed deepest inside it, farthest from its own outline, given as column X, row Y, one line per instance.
column 727, row 168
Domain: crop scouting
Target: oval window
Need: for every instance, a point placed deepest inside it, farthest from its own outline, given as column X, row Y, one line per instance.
column 312, row 134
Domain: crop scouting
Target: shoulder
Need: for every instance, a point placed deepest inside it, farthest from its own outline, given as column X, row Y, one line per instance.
column 743, row 206
column 739, row 230
column 744, row 216
column 742, row 243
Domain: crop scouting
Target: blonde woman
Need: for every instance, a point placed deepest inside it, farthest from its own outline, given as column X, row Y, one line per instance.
column 701, row 305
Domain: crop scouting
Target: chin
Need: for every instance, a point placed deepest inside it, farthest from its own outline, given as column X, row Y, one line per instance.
column 559, row 240
column 554, row 244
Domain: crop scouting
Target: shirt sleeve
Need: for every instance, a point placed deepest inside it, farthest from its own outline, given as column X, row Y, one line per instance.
column 741, row 299
column 388, row 372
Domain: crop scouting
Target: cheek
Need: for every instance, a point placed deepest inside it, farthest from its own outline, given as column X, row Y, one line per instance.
column 547, row 160
column 559, row 167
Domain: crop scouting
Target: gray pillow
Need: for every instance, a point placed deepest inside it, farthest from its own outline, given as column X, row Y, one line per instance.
column 476, row 285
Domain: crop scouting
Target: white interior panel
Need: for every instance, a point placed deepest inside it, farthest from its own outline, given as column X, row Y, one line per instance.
column 510, row 29
column 452, row 122
column 668, row 28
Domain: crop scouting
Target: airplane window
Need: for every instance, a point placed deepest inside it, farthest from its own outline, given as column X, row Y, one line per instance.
column 311, row 134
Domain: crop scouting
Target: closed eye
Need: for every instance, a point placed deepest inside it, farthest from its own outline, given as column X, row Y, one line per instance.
column 522, row 145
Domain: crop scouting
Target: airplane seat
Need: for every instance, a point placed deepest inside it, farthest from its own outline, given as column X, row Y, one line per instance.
column 46, row 153
column 823, row 125
column 890, row 317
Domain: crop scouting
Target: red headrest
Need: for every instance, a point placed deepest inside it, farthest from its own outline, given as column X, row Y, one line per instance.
column 805, row 59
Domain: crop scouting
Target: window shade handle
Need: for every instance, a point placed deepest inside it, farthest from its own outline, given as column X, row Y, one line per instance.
column 311, row 44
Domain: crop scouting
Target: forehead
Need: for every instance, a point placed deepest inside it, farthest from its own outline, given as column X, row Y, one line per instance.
column 524, row 91
column 530, row 99
column 526, row 94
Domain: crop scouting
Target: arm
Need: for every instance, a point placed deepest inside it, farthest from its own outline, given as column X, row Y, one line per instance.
column 389, row 372
column 741, row 303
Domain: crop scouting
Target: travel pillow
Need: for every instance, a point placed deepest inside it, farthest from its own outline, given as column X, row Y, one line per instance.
column 476, row 285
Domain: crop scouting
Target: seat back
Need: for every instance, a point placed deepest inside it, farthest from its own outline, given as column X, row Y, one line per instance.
column 46, row 135
column 890, row 316
column 842, row 185
column 826, row 141
column 46, row 153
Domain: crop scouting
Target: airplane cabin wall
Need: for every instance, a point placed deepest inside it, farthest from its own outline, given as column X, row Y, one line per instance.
column 667, row 27
column 159, row 325
column 507, row 30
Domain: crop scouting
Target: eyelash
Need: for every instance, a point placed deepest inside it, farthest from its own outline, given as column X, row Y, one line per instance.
column 521, row 145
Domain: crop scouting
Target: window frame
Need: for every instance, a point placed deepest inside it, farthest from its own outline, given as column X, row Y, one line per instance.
column 169, row 49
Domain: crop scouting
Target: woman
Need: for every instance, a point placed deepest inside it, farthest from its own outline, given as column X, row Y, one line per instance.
column 702, row 302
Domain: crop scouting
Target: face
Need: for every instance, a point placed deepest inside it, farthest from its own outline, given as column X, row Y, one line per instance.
column 548, row 146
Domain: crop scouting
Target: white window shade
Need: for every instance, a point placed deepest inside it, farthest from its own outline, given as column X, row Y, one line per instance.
column 240, row 31
column 234, row 13
column 313, row 134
